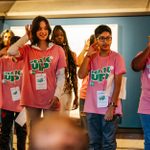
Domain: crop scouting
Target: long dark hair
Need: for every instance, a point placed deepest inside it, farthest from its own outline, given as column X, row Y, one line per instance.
column 35, row 27
column 71, row 68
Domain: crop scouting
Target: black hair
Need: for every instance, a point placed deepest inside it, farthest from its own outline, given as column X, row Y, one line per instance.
column 71, row 68
column 102, row 28
column 56, row 28
column 92, row 38
column 14, row 39
column 35, row 27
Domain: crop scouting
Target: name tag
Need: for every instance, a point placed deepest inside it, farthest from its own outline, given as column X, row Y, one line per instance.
column 15, row 93
column 102, row 100
column 41, row 81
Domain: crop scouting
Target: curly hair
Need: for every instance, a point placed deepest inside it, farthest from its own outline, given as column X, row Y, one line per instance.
column 71, row 70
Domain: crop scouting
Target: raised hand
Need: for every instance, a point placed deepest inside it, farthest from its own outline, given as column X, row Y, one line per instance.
column 28, row 31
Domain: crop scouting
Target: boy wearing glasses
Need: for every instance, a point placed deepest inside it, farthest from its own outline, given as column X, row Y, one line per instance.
column 102, row 111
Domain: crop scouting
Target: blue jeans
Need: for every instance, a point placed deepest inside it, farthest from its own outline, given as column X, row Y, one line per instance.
column 145, row 120
column 102, row 133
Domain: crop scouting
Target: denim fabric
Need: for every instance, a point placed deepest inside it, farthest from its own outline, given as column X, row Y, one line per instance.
column 145, row 120
column 102, row 133
column 7, row 122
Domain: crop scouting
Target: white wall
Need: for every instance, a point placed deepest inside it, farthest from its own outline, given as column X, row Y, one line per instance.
column 77, row 35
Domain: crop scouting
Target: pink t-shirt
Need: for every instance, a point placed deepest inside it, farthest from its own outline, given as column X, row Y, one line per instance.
column 144, row 105
column 100, row 69
column 11, row 79
column 39, row 74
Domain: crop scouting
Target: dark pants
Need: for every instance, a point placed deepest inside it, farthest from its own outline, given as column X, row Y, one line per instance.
column 102, row 133
column 82, row 114
column 7, row 122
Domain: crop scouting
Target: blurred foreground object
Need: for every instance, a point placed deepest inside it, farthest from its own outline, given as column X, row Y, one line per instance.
column 57, row 132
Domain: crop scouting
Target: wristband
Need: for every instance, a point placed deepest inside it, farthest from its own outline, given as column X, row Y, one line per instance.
column 112, row 104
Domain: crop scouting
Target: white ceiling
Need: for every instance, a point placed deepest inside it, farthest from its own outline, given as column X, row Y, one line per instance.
column 15, row 9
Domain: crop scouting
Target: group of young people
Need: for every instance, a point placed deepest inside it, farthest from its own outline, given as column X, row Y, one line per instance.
column 49, row 75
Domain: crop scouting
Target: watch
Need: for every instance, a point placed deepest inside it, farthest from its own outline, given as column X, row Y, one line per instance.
column 112, row 104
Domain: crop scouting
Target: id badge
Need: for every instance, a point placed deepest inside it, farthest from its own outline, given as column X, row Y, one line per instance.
column 15, row 93
column 41, row 81
column 102, row 100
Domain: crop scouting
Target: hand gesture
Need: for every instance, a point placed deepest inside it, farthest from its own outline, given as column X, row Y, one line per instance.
column 87, row 45
column 28, row 31
column 94, row 49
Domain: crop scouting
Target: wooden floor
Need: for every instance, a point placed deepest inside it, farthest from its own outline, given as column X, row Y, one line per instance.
column 130, row 140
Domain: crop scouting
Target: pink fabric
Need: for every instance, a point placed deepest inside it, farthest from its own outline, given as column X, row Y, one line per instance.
column 144, row 104
column 40, row 61
column 10, row 73
column 83, row 88
column 104, row 66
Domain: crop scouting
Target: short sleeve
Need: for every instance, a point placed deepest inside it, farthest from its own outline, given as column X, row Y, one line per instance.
column 120, row 67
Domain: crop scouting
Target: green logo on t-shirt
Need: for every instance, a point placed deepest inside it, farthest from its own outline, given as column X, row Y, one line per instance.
column 41, row 64
column 12, row 75
column 100, row 74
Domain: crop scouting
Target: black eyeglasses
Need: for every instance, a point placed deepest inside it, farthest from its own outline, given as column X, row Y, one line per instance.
column 102, row 38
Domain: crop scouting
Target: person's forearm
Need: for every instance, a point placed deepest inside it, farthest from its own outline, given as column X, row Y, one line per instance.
column 139, row 62
column 14, row 49
column 117, row 87
column 83, row 70
column 81, row 57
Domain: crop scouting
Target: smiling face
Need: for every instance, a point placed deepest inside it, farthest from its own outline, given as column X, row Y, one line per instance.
column 42, row 33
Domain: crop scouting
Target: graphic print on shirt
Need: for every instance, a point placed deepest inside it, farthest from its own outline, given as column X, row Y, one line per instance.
column 41, row 64
column 12, row 76
column 100, row 74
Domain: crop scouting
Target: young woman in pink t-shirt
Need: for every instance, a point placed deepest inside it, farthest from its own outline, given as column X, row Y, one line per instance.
column 142, row 63
column 59, row 37
column 102, row 111
column 43, row 71
column 10, row 88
